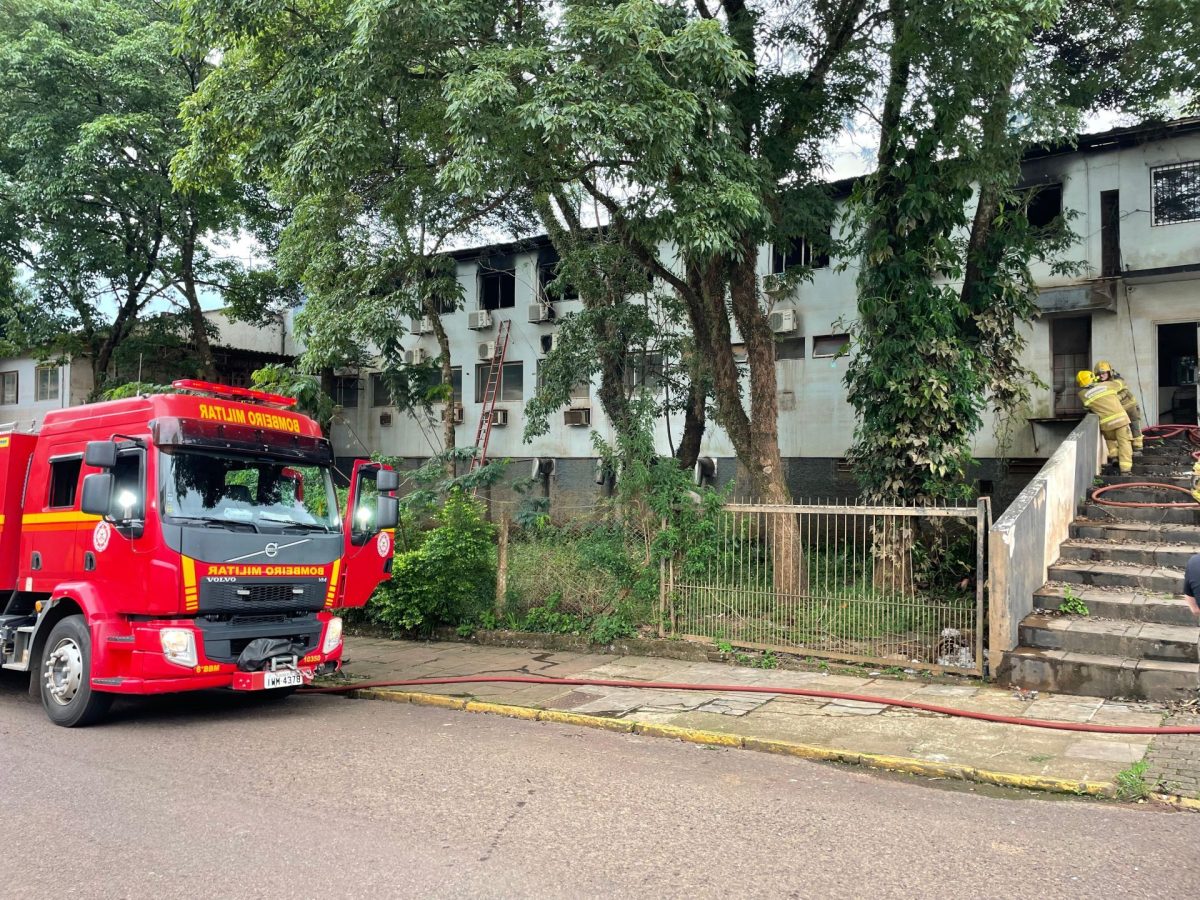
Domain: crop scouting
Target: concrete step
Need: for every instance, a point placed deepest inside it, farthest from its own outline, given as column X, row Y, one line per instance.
column 1146, row 532
column 1125, row 606
column 1167, row 476
column 1069, row 672
column 1171, row 515
column 1144, row 553
column 1100, row 637
column 1101, row 574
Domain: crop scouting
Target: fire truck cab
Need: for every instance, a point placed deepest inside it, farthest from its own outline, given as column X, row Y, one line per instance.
column 181, row 541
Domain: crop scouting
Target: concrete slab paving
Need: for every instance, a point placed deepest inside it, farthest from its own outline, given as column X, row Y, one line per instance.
column 838, row 724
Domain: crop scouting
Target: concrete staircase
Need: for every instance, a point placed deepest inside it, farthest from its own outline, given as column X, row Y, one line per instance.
column 1126, row 565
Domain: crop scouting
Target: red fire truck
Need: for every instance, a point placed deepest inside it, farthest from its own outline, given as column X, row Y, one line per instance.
column 181, row 541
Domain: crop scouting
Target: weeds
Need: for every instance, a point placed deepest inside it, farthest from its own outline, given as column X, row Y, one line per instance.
column 1132, row 784
column 1072, row 604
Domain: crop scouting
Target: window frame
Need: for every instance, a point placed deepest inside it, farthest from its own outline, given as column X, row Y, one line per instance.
column 339, row 390
column 1189, row 168
column 801, row 248
column 483, row 370
column 380, row 395
column 54, row 463
column 842, row 343
column 499, row 276
column 456, row 394
column 580, row 390
column 16, row 387
column 56, row 381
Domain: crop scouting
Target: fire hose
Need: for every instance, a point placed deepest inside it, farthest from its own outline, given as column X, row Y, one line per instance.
column 762, row 689
column 1159, row 433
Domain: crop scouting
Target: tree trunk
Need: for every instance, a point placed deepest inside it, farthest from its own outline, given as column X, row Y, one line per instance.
column 205, row 364
column 694, row 414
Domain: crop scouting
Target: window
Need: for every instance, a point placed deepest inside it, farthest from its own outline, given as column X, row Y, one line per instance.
column 828, row 345
column 795, row 253
column 128, row 496
column 455, row 384
column 1070, row 351
column 579, row 390
column 512, row 382
column 644, row 370
column 563, row 290
column 381, row 395
column 345, row 391
column 1110, row 234
column 789, row 348
column 1043, row 205
column 8, row 388
column 1176, row 193
column 497, row 289
column 64, row 479
column 46, row 383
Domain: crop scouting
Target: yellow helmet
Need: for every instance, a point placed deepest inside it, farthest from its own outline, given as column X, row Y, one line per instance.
column 1103, row 365
column 1084, row 378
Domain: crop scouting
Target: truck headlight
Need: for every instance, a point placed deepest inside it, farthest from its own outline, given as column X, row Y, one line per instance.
column 179, row 646
column 333, row 635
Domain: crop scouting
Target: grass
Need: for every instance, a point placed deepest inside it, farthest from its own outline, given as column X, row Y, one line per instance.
column 1132, row 784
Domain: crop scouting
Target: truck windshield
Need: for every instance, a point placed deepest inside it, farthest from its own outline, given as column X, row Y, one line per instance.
column 270, row 495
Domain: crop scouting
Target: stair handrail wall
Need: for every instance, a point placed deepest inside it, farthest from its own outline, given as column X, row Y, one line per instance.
column 1024, row 542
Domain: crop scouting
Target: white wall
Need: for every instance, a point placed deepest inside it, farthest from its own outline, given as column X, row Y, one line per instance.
column 74, row 384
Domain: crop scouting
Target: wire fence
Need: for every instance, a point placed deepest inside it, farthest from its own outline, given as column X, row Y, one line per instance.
column 889, row 586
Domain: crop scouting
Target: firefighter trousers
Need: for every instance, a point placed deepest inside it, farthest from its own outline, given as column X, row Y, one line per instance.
column 1135, row 429
column 1120, row 447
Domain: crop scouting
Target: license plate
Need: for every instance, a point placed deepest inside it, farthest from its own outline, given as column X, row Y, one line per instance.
column 287, row 678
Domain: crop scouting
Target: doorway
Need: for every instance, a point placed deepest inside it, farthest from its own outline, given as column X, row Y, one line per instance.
column 1178, row 349
column 1070, row 351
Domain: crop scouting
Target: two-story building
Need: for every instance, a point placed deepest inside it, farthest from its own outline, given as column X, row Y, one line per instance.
column 1134, row 194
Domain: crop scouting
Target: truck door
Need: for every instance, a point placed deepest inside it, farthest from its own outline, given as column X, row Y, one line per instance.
column 52, row 522
column 368, row 548
column 114, row 549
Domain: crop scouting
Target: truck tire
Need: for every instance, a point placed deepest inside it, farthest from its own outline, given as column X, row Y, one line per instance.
column 65, row 675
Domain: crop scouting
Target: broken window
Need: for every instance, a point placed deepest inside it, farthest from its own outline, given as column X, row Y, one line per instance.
column 497, row 288
column 1070, row 352
column 1044, row 205
column 1176, row 193
column 794, row 254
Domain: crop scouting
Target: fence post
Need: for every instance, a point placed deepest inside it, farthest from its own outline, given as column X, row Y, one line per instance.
column 662, row 588
column 502, row 565
column 983, row 518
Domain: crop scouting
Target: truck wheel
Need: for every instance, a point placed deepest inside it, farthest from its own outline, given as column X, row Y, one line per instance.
column 65, row 675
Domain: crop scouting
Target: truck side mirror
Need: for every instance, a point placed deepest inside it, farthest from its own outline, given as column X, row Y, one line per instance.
column 96, row 499
column 386, row 480
column 101, row 454
column 387, row 512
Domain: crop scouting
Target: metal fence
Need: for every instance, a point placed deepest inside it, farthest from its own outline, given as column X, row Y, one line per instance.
column 889, row 586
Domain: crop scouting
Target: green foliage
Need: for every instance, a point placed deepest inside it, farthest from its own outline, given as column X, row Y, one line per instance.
column 449, row 578
column 1072, row 604
column 1132, row 785
column 549, row 619
column 134, row 389
column 311, row 399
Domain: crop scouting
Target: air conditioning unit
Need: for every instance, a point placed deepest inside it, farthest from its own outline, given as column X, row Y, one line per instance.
column 580, row 417
column 459, row 415
column 423, row 325
column 548, row 343
column 385, row 420
column 783, row 321
column 540, row 312
column 499, row 417
column 416, row 356
column 487, row 349
column 479, row 320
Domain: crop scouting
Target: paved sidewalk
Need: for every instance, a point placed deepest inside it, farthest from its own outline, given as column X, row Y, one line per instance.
column 1041, row 755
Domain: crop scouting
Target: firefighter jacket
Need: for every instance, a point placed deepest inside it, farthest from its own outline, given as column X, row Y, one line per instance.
column 1128, row 401
column 1104, row 400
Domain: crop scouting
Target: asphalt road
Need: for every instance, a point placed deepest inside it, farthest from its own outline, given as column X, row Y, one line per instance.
column 219, row 796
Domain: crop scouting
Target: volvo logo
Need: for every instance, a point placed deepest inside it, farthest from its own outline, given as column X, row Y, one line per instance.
column 270, row 551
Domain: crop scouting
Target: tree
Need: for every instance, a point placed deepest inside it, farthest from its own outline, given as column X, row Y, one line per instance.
column 336, row 108
column 89, row 102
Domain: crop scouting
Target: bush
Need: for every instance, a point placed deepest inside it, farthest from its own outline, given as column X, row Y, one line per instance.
column 448, row 579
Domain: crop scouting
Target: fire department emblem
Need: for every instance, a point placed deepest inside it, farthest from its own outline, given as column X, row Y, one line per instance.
column 383, row 543
column 100, row 536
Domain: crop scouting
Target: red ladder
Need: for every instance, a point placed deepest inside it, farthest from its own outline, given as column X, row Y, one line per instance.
column 484, row 431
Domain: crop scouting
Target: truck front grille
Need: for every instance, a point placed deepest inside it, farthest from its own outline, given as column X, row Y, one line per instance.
column 258, row 597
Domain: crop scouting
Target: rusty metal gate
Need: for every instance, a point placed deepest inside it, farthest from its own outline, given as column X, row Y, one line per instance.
column 890, row 586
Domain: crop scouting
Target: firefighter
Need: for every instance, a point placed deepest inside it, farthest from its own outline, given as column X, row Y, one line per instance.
column 1104, row 401
column 1105, row 373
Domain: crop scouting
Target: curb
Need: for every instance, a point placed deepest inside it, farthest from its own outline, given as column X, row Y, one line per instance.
column 902, row 764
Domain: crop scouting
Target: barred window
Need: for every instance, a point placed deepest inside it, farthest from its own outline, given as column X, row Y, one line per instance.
column 1176, row 193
